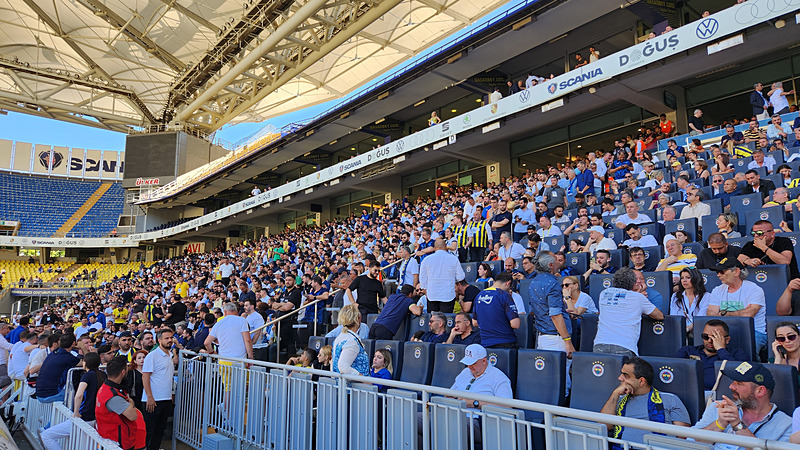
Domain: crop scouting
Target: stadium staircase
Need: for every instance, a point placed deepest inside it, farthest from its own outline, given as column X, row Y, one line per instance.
column 76, row 217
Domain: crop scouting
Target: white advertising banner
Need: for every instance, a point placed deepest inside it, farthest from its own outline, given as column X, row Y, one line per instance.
column 17, row 241
column 700, row 32
column 38, row 159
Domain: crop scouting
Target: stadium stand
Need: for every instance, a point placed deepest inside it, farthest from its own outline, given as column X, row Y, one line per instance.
column 43, row 205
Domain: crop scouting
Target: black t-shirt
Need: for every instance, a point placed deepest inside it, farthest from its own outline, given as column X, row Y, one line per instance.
column 697, row 122
column 369, row 290
column 469, row 295
column 780, row 245
column 89, row 395
column 178, row 311
column 499, row 217
column 127, row 296
column 707, row 259
column 294, row 297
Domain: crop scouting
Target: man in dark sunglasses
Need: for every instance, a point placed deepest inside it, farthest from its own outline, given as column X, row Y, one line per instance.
column 767, row 248
column 715, row 347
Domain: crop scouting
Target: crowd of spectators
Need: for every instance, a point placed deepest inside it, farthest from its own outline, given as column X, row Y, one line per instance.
column 406, row 259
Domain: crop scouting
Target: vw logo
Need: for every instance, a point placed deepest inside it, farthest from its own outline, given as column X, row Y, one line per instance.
column 524, row 96
column 707, row 28
column 400, row 146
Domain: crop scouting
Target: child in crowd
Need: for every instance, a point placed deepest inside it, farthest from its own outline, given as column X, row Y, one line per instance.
column 381, row 367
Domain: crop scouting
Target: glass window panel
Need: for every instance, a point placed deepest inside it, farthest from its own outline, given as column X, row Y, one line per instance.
column 741, row 82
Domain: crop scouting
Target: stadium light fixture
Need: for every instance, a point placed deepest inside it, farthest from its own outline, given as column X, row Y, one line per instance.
column 420, row 102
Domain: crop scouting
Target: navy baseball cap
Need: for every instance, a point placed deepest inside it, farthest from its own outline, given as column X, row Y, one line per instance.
column 752, row 372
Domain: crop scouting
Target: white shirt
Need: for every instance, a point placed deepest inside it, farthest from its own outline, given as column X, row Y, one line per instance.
column 159, row 365
column 627, row 220
column 254, row 320
column 469, row 210
column 516, row 251
column 678, row 307
column 228, row 331
column 226, row 270
column 605, row 244
column 5, row 347
column 621, row 318
column 438, row 275
column 495, row 96
column 697, row 211
column 769, row 163
column 518, row 302
column 585, row 301
column 18, row 361
column 646, row 241
column 749, row 294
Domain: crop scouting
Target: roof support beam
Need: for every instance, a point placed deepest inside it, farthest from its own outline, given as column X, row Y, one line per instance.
column 56, row 27
column 442, row 9
column 286, row 28
column 191, row 14
column 119, row 23
column 373, row 14
column 69, row 108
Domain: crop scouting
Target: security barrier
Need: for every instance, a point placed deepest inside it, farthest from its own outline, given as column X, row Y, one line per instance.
column 264, row 405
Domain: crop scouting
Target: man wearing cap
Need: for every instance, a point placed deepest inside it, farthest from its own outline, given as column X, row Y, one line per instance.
column 636, row 398
column 598, row 241
column 739, row 298
column 480, row 378
column 750, row 412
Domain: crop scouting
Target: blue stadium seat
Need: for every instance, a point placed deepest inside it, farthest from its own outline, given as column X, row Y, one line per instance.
column 594, row 377
column 555, row 242
column 774, row 214
column 526, row 333
column 396, row 349
column 497, row 266
column 470, row 271
column 662, row 337
column 785, row 395
column 316, row 342
column 773, row 279
column 371, row 319
column 693, row 247
column 418, row 323
column 739, row 242
column 417, row 362
column 598, row 283
column 581, row 236
column 741, row 331
column 687, row 225
column 653, row 255
column 652, row 229
column 579, row 261
column 740, row 204
column 682, row 377
column 619, row 257
column 504, row 359
column 402, row 330
column 740, row 164
column 588, row 331
column 772, row 323
column 369, row 347
column 447, row 364
column 716, row 206
column 710, row 279
column 661, row 282
column 617, row 235
column 541, row 378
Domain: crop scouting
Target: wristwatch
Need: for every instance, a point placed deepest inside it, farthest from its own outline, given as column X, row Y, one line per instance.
column 738, row 427
column 476, row 404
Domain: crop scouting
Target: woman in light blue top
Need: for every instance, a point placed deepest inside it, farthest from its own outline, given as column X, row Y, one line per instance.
column 349, row 356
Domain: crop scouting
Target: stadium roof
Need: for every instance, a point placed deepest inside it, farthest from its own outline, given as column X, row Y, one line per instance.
column 141, row 63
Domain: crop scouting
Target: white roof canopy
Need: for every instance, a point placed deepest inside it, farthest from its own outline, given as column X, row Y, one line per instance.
column 138, row 63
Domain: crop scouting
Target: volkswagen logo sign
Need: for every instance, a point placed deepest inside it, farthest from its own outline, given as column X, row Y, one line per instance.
column 707, row 28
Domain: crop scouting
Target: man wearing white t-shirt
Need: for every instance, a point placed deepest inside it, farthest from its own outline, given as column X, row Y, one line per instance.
column 621, row 310
column 631, row 216
column 636, row 239
column 738, row 297
column 158, row 371
column 19, row 354
column 254, row 319
column 225, row 271
column 232, row 334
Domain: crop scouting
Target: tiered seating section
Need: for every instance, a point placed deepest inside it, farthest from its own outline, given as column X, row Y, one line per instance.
column 14, row 270
column 42, row 205
column 106, row 272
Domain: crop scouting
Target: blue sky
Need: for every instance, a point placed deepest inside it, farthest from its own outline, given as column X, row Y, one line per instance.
column 38, row 130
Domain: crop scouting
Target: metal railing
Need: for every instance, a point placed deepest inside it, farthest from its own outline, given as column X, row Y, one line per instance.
column 267, row 405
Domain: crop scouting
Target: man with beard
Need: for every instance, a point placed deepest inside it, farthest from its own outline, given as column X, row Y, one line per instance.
column 716, row 337
column 750, row 413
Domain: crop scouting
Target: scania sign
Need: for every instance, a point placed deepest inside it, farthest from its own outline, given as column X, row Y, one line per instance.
column 588, row 76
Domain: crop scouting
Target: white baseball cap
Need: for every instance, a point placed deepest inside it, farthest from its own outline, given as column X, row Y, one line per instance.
column 472, row 354
column 598, row 229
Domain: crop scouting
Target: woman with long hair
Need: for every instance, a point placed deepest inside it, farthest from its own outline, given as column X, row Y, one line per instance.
column 786, row 346
column 691, row 299
column 485, row 274
column 134, row 378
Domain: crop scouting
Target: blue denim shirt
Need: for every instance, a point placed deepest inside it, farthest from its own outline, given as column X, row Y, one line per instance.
column 547, row 300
